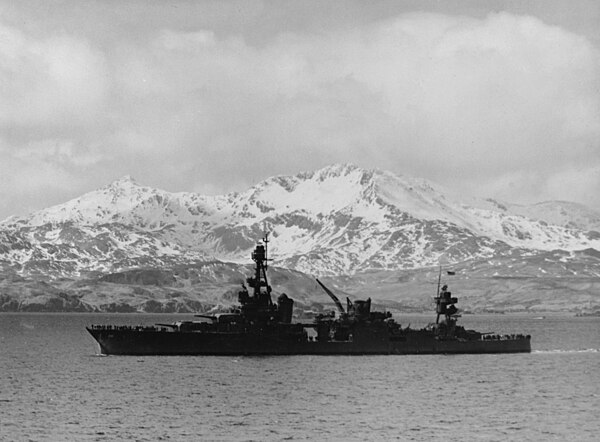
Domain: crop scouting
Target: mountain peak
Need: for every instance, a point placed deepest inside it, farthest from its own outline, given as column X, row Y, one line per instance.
column 329, row 171
column 125, row 188
column 336, row 220
column 126, row 180
column 340, row 169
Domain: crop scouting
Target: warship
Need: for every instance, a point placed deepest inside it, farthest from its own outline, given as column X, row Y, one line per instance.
column 259, row 326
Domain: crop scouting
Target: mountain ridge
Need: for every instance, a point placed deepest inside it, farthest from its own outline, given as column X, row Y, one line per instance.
column 341, row 221
column 346, row 218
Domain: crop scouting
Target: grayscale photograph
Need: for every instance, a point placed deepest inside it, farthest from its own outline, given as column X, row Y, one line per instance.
column 299, row 220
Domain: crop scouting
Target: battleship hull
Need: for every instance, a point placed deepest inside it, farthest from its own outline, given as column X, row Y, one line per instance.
column 134, row 341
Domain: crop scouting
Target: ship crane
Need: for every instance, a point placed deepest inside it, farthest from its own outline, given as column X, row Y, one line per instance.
column 335, row 299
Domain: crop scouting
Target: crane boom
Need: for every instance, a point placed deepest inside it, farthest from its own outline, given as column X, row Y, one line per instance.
column 332, row 296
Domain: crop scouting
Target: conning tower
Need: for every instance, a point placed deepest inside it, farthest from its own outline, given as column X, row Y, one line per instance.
column 445, row 305
column 259, row 306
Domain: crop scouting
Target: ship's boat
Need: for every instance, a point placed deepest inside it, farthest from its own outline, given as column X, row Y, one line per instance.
column 259, row 326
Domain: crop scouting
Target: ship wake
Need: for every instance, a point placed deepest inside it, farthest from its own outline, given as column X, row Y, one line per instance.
column 559, row 351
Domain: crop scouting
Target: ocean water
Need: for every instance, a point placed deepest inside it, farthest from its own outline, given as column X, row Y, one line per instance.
column 55, row 387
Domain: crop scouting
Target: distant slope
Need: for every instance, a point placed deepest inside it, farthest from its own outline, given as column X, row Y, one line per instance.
column 549, row 282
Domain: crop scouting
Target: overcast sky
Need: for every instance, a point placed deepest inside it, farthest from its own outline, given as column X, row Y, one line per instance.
column 498, row 98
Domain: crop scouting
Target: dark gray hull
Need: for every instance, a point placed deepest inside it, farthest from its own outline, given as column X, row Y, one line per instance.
column 132, row 341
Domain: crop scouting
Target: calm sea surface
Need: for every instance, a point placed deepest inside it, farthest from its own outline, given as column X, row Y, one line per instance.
column 54, row 387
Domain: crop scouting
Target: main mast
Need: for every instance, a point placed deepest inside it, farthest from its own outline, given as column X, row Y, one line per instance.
column 260, row 258
column 259, row 304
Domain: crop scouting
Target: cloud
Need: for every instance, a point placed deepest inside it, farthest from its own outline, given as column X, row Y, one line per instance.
column 54, row 81
column 36, row 177
column 507, row 105
column 432, row 95
column 578, row 184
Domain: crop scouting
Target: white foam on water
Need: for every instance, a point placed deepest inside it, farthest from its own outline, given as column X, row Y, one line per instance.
column 587, row 350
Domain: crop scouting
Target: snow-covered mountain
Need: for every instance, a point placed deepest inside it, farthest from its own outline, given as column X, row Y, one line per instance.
column 341, row 219
column 129, row 247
